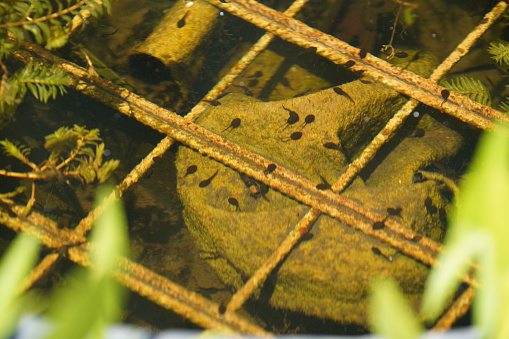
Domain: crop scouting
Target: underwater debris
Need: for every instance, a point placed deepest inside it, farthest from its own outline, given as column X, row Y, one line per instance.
column 252, row 185
column 379, row 225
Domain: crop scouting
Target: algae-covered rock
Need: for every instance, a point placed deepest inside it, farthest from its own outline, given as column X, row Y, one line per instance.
column 328, row 275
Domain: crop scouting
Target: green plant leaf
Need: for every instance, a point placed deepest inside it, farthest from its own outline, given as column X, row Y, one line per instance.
column 16, row 263
column 88, row 309
column 389, row 313
column 19, row 152
column 479, row 231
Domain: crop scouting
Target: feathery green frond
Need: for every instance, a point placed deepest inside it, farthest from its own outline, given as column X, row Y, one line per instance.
column 500, row 52
column 63, row 140
column 43, row 82
column 20, row 152
column 48, row 26
column 104, row 172
column 504, row 105
column 470, row 87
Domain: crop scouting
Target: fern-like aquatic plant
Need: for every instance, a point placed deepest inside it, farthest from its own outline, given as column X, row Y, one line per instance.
column 470, row 87
column 74, row 153
column 500, row 52
column 48, row 23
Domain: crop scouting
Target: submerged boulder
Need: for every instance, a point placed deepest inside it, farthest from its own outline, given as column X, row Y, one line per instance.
column 327, row 276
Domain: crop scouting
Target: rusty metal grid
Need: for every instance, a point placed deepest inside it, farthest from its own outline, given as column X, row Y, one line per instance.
column 190, row 305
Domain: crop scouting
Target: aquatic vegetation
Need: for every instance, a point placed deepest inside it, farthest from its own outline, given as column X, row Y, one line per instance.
column 500, row 53
column 477, row 235
column 470, row 87
column 98, row 294
column 74, row 154
column 37, row 20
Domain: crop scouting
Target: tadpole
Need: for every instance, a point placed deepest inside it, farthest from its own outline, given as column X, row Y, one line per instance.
column 331, row 145
column 309, row 119
column 190, row 170
column 206, row 182
column 324, row 185
column 401, row 54
column 245, row 89
column 285, row 82
column 340, row 91
column 418, row 133
column 394, row 211
column 301, row 93
column 377, row 251
column 418, row 177
column 213, row 102
column 292, row 119
column 182, row 22
column 445, row 94
column 294, row 136
column 256, row 74
column 270, row 168
column 234, row 124
column 232, row 201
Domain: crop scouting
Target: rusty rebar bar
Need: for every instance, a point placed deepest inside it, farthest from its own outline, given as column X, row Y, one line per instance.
column 340, row 52
column 241, row 65
column 167, row 294
column 458, row 309
column 38, row 272
column 230, row 154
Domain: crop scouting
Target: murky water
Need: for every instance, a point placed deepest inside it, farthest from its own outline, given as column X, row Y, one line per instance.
column 160, row 239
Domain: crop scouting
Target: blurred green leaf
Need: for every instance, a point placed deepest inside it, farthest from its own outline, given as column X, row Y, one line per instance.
column 478, row 232
column 15, row 266
column 389, row 313
column 87, row 309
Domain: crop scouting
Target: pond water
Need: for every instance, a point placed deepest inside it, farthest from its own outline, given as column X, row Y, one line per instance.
column 160, row 238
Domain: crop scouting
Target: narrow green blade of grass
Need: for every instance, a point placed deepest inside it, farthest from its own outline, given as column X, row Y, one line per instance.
column 86, row 310
column 478, row 232
column 389, row 313
column 15, row 266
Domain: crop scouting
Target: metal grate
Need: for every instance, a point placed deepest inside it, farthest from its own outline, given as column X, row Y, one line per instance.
column 193, row 306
